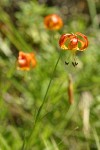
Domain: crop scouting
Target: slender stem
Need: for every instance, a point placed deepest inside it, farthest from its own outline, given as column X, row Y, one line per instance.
column 37, row 116
column 23, row 145
column 44, row 99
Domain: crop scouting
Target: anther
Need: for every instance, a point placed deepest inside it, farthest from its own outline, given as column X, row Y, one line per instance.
column 66, row 63
column 73, row 63
column 76, row 63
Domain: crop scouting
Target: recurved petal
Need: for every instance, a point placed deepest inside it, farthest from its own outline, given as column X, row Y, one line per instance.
column 83, row 40
column 63, row 39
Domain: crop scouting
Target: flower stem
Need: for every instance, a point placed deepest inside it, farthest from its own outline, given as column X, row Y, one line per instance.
column 37, row 116
column 44, row 100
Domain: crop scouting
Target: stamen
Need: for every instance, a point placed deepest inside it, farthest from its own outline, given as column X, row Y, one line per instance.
column 74, row 63
column 66, row 63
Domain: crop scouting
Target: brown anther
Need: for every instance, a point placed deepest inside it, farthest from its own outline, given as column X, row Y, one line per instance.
column 66, row 63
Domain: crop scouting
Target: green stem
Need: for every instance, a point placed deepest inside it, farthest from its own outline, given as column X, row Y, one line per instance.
column 44, row 100
column 37, row 116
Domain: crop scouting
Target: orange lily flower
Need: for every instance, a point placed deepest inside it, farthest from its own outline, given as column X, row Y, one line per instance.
column 73, row 42
column 77, row 41
column 26, row 61
column 53, row 22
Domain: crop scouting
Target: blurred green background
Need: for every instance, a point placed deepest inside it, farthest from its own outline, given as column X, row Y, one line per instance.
column 61, row 126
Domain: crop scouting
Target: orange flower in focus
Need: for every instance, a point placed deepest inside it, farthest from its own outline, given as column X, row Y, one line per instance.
column 26, row 61
column 77, row 41
column 53, row 22
column 73, row 42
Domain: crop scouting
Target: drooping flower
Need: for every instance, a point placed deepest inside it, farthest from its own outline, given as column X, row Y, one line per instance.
column 26, row 61
column 53, row 22
column 73, row 42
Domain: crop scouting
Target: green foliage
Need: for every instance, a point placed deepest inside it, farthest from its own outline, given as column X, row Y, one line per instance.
column 60, row 126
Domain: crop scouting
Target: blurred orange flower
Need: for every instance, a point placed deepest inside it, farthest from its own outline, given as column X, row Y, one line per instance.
column 73, row 42
column 53, row 22
column 26, row 61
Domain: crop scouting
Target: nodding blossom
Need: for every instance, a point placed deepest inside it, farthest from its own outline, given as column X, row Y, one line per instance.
column 73, row 42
